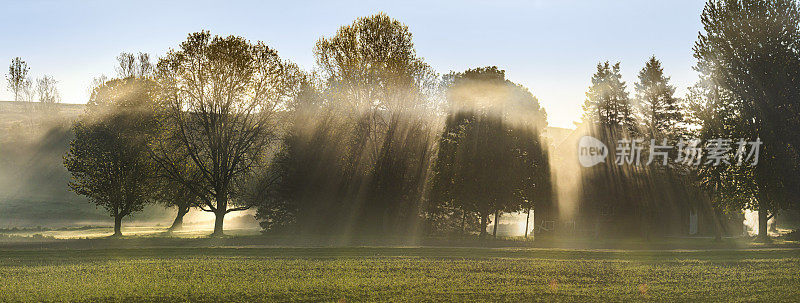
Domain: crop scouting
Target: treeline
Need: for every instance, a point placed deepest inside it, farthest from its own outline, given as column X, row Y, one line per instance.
column 25, row 88
column 748, row 60
column 637, row 197
column 372, row 143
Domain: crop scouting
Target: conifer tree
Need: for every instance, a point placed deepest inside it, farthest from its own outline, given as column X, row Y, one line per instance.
column 656, row 106
column 607, row 102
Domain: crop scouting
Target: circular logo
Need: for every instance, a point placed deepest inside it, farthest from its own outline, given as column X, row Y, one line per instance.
column 591, row 151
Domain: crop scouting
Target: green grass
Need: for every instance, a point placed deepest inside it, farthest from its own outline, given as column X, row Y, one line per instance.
column 397, row 274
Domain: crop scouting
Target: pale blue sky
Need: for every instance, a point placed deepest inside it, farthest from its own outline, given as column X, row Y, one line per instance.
column 550, row 46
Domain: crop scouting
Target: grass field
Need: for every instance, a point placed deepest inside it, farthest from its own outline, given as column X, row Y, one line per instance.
column 397, row 274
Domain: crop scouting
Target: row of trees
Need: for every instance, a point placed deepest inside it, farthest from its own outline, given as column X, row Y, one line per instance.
column 654, row 111
column 224, row 125
column 22, row 86
column 748, row 62
column 374, row 141
column 366, row 154
column 190, row 132
column 631, row 195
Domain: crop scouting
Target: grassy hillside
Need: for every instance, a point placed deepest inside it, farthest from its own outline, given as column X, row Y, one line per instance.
column 33, row 180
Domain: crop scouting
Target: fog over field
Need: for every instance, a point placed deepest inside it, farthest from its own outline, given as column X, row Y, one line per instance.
column 471, row 151
column 34, row 181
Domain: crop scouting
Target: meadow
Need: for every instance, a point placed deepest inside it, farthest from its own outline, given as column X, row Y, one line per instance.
column 342, row 274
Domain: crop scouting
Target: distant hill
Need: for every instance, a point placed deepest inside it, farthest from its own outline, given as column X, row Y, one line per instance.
column 33, row 180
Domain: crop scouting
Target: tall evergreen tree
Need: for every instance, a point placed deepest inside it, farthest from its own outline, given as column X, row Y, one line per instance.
column 657, row 108
column 607, row 102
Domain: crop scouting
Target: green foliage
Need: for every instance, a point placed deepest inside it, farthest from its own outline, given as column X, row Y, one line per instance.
column 607, row 102
column 300, row 191
column 108, row 157
column 222, row 96
column 656, row 105
column 372, row 64
column 749, row 61
column 631, row 196
column 487, row 162
column 356, row 157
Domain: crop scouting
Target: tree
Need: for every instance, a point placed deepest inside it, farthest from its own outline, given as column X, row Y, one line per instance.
column 170, row 193
column 726, row 189
column 607, row 103
column 374, row 77
column 656, row 105
column 489, row 158
column 28, row 91
column 535, row 190
column 298, row 191
column 47, row 90
column 732, row 188
column 444, row 212
column 371, row 64
column 614, row 190
column 17, row 78
column 750, row 49
column 108, row 158
column 137, row 66
column 223, row 96
column 372, row 70
column 660, row 115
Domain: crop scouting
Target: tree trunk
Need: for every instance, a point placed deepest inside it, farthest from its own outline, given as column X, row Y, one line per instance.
column 718, row 221
column 646, row 224
column 527, row 220
column 177, row 224
column 218, row 221
column 463, row 221
column 716, row 216
column 762, row 223
column 220, row 212
column 496, row 219
column 117, row 226
column 222, row 209
column 484, row 224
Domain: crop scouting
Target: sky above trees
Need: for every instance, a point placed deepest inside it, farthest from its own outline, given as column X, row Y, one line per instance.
column 549, row 46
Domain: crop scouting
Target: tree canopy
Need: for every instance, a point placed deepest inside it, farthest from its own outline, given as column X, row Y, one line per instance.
column 109, row 156
column 223, row 96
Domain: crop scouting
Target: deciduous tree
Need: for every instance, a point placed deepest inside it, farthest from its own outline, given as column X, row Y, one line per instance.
column 17, row 78
column 490, row 159
column 751, row 49
column 47, row 90
column 109, row 158
column 223, row 96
